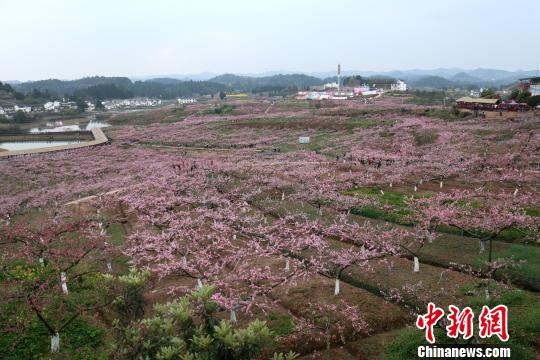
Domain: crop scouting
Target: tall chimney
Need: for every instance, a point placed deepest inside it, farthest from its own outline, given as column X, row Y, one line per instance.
column 339, row 78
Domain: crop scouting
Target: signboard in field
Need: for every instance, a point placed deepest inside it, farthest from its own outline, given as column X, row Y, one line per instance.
column 303, row 139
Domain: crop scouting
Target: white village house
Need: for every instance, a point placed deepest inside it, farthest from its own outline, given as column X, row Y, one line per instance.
column 187, row 101
column 399, row 85
column 25, row 109
column 52, row 106
column 90, row 106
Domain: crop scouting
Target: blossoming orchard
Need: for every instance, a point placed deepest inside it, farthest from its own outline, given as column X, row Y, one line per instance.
column 335, row 247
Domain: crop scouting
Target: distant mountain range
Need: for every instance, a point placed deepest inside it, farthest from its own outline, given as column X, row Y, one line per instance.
column 436, row 78
column 274, row 82
column 484, row 74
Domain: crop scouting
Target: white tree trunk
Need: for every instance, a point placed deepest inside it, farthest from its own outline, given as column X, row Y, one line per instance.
column 415, row 188
column 382, row 192
column 441, row 184
column 199, row 283
column 287, row 265
column 320, row 211
column 416, row 265
column 336, row 288
column 390, row 184
column 282, row 196
column 109, row 266
column 482, row 246
column 234, row 237
column 55, row 343
column 421, row 182
column 41, row 261
column 233, row 316
column 516, row 191
column 63, row 280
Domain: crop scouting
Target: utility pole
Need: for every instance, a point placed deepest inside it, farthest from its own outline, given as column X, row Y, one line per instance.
column 444, row 100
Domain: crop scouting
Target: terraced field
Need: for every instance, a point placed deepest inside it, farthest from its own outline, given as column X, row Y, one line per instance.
column 319, row 240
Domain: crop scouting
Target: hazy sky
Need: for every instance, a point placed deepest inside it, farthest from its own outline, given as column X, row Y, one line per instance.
column 70, row 39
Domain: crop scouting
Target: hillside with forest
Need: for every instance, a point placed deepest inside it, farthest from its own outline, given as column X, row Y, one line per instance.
column 247, row 83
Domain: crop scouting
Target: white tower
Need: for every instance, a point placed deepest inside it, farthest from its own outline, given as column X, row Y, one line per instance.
column 339, row 78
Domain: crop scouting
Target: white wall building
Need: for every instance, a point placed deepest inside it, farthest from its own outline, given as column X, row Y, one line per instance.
column 52, row 106
column 399, row 85
column 534, row 89
column 475, row 93
column 25, row 109
column 90, row 106
column 333, row 85
column 187, row 101
column 130, row 103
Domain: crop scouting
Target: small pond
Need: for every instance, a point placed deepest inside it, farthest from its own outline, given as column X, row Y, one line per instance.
column 29, row 145
column 91, row 125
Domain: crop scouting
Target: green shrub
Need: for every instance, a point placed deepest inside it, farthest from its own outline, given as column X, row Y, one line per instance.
column 534, row 101
column 186, row 328
column 129, row 305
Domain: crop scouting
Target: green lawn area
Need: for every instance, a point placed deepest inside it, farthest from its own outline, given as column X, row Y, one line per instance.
column 359, row 123
column 527, row 271
column 280, row 325
column 116, row 234
column 400, row 212
column 393, row 198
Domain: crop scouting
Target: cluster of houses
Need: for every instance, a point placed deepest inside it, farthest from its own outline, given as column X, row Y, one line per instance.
column 50, row 106
column 58, row 106
column 130, row 103
column 483, row 104
column 477, row 103
column 182, row 101
column 14, row 109
column 332, row 91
